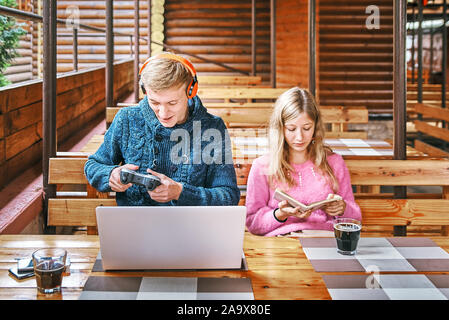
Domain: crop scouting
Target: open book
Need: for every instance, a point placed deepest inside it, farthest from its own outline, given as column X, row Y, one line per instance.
column 281, row 196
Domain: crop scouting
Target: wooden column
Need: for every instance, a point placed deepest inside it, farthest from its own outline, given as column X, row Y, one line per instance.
column 312, row 47
column 253, row 37
column 420, row 50
column 399, row 93
column 136, row 51
column 273, row 42
column 109, row 55
column 149, row 28
column 48, row 100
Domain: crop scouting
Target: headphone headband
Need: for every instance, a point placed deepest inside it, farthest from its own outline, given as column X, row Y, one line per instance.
column 192, row 88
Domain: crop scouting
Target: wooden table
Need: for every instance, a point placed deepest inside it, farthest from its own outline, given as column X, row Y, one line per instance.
column 251, row 146
column 278, row 267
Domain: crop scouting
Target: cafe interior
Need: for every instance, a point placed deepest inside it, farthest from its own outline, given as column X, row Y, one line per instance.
column 378, row 72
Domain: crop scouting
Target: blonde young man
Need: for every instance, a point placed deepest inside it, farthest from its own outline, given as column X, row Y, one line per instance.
column 171, row 136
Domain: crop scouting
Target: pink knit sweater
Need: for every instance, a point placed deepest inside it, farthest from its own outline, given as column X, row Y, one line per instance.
column 311, row 187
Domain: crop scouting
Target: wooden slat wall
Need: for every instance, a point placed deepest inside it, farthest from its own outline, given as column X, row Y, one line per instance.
column 221, row 31
column 292, row 66
column 92, row 50
column 355, row 63
column 80, row 99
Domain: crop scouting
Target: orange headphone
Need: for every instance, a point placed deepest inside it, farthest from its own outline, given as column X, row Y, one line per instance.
column 192, row 88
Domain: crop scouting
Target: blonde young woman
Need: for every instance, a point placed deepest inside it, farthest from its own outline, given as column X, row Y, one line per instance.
column 300, row 164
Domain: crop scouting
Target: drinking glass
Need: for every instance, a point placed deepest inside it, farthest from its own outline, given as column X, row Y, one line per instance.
column 49, row 266
column 347, row 234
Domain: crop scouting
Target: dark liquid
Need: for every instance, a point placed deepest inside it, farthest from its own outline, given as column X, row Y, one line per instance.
column 49, row 274
column 347, row 236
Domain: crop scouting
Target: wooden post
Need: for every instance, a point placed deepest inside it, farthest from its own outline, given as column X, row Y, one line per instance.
column 39, row 41
column 399, row 93
column 75, row 48
column 149, row 27
column 253, row 37
column 109, row 54
column 48, row 101
column 136, row 51
column 312, row 47
column 273, row 42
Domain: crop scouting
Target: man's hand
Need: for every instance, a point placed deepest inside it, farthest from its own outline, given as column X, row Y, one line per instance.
column 168, row 189
column 114, row 178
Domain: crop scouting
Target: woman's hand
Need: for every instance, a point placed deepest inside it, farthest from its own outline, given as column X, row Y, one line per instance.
column 168, row 189
column 336, row 208
column 285, row 211
column 114, row 178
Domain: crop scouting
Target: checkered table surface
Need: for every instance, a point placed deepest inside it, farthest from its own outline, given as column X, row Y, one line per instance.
column 262, row 141
column 255, row 146
column 388, row 287
column 166, row 288
column 122, row 287
column 385, row 254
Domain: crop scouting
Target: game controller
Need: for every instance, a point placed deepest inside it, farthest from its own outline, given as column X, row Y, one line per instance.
column 147, row 180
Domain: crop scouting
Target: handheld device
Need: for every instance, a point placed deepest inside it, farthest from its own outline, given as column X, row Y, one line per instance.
column 25, row 265
column 20, row 275
column 147, row 180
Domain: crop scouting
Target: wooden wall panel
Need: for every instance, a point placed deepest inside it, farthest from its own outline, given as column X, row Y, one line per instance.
column 80, row 99
column 292, row 67
column 355, row 62
column 220, row 31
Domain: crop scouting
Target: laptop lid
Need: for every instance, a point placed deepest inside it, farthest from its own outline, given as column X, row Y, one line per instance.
column 171, row 237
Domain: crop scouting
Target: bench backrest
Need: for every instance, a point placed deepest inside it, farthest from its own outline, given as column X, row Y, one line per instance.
column 257, row 114
column 437, row 114
column 229, row 80
column 240, row 93
column 376, row 211
column 78, row 209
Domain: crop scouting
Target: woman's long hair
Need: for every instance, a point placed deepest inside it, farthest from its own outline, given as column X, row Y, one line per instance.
column 288, row 107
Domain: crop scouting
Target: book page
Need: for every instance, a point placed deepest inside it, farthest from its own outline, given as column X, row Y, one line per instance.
column 281, row 196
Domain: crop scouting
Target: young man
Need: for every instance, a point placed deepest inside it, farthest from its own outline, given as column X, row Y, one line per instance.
column 171, row 136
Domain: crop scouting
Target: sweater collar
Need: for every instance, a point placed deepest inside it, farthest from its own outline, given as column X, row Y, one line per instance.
column 196, row 112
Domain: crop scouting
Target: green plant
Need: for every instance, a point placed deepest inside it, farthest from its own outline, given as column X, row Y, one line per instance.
column 10, row 32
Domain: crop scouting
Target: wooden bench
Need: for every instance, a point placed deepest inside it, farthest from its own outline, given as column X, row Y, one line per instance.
column 247, row 94
column 74, row 208
column 257, row 114
column 430, row 125
column 425, row 75
column 205, row 80
column 381, row 212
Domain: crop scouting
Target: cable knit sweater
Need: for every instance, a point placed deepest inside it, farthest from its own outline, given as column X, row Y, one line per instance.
column 311, row 187
column 137, row 137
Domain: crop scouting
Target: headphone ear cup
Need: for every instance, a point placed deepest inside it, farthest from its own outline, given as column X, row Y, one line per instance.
column 142, row 87
column 192, row 88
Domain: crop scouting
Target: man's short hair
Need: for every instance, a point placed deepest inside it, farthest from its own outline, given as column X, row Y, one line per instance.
column 161, row 74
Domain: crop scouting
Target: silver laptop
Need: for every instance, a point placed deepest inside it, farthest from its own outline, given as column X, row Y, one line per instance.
column 171, row 237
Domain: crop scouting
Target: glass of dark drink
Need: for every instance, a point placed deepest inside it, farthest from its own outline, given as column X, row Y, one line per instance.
column 49, row 264
column 347, row 234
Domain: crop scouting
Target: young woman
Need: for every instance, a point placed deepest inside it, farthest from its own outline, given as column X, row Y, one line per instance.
column 300, row 164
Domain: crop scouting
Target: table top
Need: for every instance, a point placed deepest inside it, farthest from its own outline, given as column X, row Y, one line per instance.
column 277, row 266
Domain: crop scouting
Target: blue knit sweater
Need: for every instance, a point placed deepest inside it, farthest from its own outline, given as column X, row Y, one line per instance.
column 137, row 137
